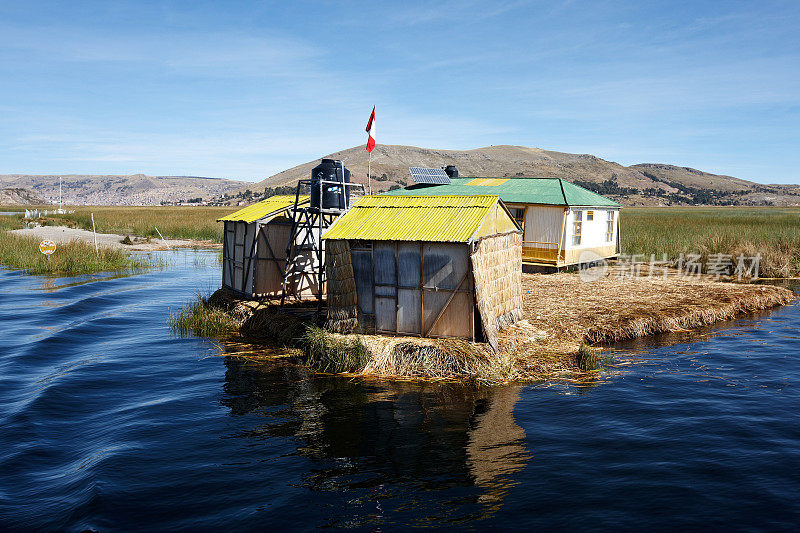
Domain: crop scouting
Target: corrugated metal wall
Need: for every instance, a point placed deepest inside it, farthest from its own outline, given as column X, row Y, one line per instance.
column 414, row 288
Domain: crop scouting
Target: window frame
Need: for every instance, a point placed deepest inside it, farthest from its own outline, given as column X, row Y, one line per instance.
column 610, row 226
column 577, row 228
column 516, row 211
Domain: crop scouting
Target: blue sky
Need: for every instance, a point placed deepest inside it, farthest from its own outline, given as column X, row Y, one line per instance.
column 246, row 89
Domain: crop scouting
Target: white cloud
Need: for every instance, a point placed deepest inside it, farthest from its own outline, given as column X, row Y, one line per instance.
column 210, row 53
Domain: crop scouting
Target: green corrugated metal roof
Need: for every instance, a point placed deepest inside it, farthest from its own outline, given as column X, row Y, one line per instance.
column 413, row 218
column 261, row 209
column 548, row 191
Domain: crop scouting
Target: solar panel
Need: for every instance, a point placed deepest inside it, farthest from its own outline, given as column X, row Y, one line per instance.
column 430, row 176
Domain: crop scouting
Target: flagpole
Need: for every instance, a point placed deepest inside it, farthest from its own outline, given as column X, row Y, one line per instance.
column 370, row 138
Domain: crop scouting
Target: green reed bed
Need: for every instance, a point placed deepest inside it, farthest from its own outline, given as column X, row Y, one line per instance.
column 204, row 320
column 22, row 252
column 217, row 318
column 191, row 223
column 771, row 231
column 333, row 354
column 8, row 222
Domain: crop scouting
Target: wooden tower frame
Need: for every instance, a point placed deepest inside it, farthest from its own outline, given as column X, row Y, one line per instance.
column 306, row 221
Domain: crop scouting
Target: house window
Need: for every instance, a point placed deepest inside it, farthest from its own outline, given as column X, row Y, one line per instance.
column 589, row 215
column 519, row 216
column 576, row 228
column 610, row 227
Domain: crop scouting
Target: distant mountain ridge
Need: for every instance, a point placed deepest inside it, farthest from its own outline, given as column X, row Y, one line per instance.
column 642, row 184
column 136, row 189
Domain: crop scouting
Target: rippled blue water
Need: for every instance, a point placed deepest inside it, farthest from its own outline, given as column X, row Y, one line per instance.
column 109, row 422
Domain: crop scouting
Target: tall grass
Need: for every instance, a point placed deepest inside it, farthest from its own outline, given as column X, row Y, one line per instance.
column 587, row 358
column 199, row 223
column 773, row 232
column 8, row 222
column 328, row 353
column 204, row 320
column 77, row 257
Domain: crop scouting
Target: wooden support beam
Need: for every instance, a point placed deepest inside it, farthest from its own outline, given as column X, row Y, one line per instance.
column 421, row 291
column 561, row 239
column 250, row 271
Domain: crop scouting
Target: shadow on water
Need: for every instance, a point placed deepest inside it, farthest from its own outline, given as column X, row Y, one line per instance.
column 389, row 442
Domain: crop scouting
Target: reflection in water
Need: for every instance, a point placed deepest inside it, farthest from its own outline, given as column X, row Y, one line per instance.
column 388, row 438
column 50, row 284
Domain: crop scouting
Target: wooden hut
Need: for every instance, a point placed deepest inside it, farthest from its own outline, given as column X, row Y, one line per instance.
column 446, row 266
column 563, row 224
column 254, row 247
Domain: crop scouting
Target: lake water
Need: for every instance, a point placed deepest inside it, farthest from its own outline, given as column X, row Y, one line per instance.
column 110, row 422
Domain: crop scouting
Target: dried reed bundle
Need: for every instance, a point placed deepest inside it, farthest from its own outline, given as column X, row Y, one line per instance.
column 436, row 359
column 496, row 264
column 341, row 293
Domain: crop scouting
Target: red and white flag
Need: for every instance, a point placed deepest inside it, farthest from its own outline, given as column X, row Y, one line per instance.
column 371, row 131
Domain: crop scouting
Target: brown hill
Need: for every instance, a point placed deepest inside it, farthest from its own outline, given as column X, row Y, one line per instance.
column 13, row 196
column 136, row 189
column 643, row 184
column 691, row 177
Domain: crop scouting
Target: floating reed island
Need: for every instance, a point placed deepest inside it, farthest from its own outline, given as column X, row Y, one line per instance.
column 429, row 284
column 564, row 320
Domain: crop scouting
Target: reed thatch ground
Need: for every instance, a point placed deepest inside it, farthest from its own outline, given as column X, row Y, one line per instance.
column 569, row 311
column 563, row 316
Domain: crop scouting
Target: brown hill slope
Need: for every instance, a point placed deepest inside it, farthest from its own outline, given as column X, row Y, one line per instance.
column 136, row 189
column 691, row 177
column 644, row 184
column 13, row 196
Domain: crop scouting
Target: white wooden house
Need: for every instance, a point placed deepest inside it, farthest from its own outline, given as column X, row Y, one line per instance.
column 563, row 224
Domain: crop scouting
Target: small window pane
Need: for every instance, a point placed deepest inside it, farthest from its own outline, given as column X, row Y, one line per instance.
column 519, row 216
column 577, row 228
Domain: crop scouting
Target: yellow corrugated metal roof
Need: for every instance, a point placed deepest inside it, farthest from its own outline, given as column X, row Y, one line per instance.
column 259, row 210
column 413, row 218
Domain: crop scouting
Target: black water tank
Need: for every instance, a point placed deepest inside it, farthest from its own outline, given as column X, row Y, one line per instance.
column 451, row 171
column 333, row 196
